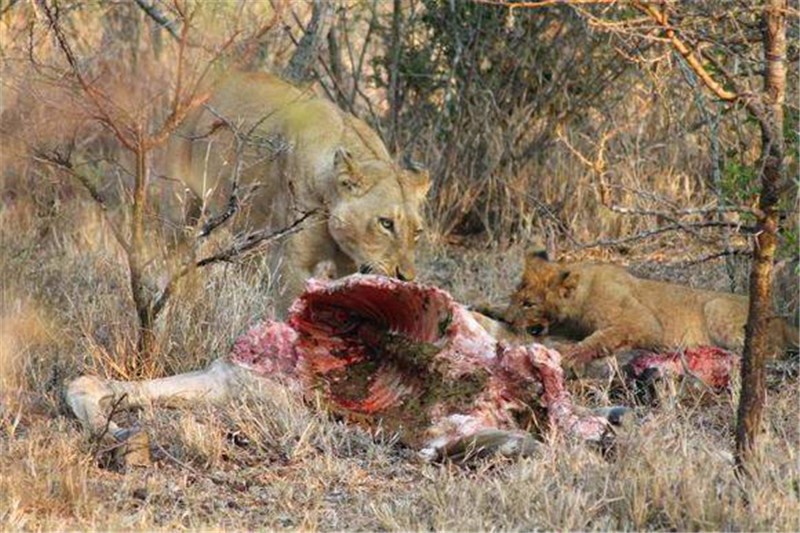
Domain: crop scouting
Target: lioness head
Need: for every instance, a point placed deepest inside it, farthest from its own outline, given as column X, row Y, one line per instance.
column 376, row 219
column 540, row 296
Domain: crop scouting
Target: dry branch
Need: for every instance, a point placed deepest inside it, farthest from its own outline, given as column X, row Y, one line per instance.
column 64, row 164
column 731, row 252
column 134, row 135
column 154, row 13
column 645, row 234
column 598, row 165
column 95, row 96
column 660, row 17
column 99, row 436
column 243, row 244
column 252, row 240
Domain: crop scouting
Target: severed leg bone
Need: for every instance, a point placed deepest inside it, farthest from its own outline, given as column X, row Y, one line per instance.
column 264, row 352
column 92, row 398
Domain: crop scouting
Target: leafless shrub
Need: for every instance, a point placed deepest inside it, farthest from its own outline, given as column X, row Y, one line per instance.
column 116, row 126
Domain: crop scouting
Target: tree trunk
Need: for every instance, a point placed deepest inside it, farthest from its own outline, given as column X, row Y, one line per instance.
column 394, row 73
column 300, row 69
column 336, row 67
column 137, row 258
column 753, row 393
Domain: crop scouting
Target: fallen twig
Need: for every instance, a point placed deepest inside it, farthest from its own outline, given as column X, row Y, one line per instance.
column 98, row 438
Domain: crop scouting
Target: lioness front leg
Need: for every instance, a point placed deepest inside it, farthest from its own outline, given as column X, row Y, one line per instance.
column 292, row 282
column 302, row 253
column 92, row 398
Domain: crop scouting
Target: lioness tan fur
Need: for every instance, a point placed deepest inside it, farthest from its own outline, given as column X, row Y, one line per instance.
column 611, row 310
column 295, row 153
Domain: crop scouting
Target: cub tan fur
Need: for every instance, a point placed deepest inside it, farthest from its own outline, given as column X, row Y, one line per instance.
column 612, row 310
column 299, row 153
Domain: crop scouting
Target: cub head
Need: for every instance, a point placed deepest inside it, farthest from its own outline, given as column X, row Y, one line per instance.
column 539, row 298
column 376, row 218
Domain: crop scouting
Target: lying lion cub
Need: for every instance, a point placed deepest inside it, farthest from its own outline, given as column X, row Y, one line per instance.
column 612, row 310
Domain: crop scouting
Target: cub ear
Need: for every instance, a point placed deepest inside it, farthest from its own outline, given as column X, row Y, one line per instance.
column 536, row 250
column 417, row 177
column 566, row 282
column 537, row 254
column 535, row 258
column 350, row 180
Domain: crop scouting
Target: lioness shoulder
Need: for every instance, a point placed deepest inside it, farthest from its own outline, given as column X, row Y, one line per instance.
column 608, row 310
column 293, row 153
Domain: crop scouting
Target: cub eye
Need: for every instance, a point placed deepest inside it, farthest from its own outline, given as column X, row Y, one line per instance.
column 527, row 304
column 386, row 223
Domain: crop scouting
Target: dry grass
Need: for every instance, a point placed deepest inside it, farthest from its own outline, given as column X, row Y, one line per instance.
column 269, row 462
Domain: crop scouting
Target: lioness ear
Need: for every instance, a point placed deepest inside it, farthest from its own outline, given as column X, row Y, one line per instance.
column 349, row 178
column 417, row 178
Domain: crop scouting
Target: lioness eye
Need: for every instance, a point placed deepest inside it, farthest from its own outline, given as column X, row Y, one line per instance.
column 386, row 223
column 527, row 304
column 417, row 234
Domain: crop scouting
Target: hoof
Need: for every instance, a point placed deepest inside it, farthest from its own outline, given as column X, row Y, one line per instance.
column 134, row 450
column 428, row 455
column 649, row 386
column 128, row 448
column 617, row 416
column 91, row 400
column 85, row 397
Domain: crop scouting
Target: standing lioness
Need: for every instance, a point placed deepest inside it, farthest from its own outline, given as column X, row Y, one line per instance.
column 295, row 153
column 611, row 310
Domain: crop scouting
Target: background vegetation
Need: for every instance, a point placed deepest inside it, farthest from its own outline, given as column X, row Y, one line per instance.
column 571, row 122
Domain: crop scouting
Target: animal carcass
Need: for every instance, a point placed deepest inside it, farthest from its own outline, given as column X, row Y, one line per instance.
column 380, row 352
